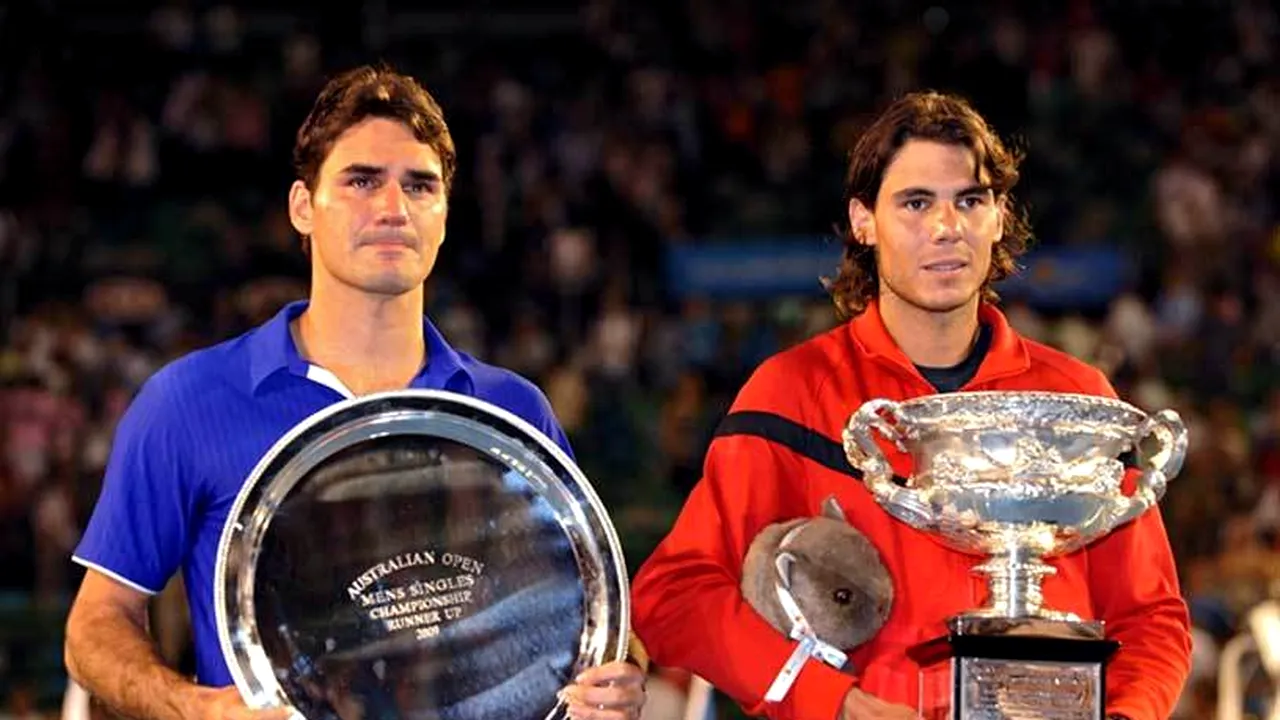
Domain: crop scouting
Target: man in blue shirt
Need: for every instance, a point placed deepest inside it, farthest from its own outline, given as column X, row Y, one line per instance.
column 374, row 161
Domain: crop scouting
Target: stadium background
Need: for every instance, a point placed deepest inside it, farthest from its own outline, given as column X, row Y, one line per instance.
column 643, row 210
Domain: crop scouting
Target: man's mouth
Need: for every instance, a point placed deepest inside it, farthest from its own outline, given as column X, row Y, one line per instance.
column 946, row 266
column 388, row 241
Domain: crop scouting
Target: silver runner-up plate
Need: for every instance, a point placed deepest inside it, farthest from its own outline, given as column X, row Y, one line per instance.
column 417, row 554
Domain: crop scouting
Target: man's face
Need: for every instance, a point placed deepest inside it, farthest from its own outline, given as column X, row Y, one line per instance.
column 377, row 215
column 934, row 224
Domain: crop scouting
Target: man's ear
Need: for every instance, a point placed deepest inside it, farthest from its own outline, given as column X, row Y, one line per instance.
column 862, row 222
column 300, row 208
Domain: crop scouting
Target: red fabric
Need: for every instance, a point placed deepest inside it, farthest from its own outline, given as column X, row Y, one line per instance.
column 689, row 611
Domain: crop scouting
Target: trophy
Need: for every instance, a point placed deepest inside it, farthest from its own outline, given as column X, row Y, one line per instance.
column 1015, row 478
column 417, row 554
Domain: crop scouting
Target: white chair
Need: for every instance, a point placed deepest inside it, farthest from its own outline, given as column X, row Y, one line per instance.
column 1256, row 647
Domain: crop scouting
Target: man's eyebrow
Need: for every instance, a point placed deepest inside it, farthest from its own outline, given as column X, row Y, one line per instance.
column 913, row 193
column 417, row 175
column 361, row 169
column 424, row 175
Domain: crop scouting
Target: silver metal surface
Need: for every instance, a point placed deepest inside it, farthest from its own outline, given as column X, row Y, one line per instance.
column 1038, row 627
column 1015, row 476
column 498, row 453
column 1023, row 690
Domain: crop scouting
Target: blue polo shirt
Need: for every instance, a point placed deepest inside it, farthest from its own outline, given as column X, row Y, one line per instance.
column 196, row 430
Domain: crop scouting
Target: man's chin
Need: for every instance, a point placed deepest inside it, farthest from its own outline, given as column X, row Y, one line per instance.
column 391, row 287
column 945, row 303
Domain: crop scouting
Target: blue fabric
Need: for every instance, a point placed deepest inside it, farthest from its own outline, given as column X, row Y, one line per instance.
column 194, row 434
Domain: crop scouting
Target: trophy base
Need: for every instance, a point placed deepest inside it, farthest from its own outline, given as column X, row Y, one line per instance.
column 1048, row 623
column 1014, row 669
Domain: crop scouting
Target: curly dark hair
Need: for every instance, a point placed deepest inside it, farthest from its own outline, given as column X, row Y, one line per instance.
column 938, row 117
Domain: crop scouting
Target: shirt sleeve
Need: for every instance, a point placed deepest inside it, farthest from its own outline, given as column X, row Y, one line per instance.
column 1134, row 586
column 551, row 428
column 688, row 607
column 140, row 527
column 532, row 405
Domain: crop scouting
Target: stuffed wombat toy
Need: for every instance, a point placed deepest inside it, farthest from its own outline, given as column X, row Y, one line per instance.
column 831, row 570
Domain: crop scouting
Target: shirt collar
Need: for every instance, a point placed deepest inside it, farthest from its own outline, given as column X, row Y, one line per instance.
column 446, row 367
column 1008, row 354
column 272, row 349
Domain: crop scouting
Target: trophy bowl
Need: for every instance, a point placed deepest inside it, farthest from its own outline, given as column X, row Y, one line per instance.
column 1015, row 476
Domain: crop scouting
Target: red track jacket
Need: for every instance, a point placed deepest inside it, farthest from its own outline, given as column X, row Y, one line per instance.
column 689, row 611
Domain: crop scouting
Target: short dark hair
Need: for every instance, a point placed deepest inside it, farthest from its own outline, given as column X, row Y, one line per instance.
column 365, row 92
column 938, row 117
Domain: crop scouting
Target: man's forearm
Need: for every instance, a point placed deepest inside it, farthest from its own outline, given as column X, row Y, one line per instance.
column 113, row 658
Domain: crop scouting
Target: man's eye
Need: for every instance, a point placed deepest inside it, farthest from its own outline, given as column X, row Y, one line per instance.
column 915, row 204
column 361, row 181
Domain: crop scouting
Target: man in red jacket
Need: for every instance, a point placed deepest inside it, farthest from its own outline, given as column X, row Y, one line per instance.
column 931, row 227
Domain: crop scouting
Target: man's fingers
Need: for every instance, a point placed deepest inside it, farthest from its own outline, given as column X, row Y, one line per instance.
column 617, row 696
column 244, row 713
column 614, row 691
column 864, row 706
column 578, row 711
column 618, row 672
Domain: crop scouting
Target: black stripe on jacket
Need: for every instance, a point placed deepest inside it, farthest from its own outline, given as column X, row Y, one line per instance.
column 812, row 444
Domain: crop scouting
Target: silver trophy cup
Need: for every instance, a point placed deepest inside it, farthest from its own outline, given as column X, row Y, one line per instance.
column 1017, row 478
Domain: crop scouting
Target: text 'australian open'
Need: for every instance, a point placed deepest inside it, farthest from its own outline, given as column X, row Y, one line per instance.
column 408, row 560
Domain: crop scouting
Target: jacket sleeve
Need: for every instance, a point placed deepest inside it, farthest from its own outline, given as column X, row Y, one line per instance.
column 1134, row 588
column 688, row 607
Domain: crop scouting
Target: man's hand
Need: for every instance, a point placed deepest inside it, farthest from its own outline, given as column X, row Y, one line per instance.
column 109, row 653
column 225, row 703
column 861, row 706
column 613, row 691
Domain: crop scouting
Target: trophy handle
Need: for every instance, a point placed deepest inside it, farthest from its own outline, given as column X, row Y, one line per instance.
column 860, row 448
column 1170, row 434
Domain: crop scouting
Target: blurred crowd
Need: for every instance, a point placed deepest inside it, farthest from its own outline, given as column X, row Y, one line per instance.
column 144, row 162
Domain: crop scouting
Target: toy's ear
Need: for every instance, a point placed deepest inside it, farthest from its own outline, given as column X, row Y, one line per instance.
column 831, row 509
column 783, row 563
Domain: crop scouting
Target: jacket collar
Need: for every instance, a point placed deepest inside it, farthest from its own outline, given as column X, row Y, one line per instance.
column 1007, row 356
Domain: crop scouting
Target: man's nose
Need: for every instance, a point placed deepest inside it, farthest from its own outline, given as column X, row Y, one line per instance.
column 392, row 204
column 948, row 223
